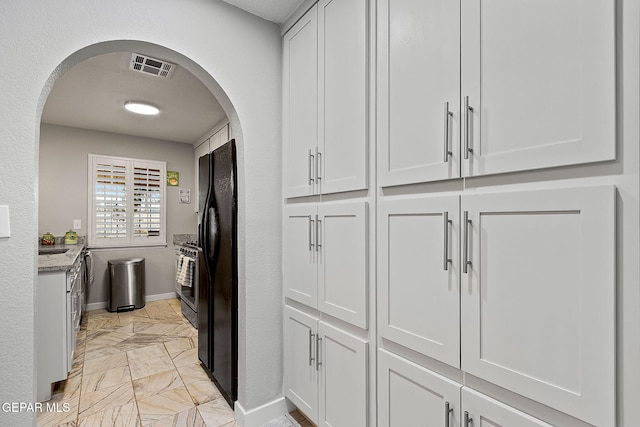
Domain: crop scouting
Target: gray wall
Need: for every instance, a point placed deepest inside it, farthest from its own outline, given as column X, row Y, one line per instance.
column 63, row 196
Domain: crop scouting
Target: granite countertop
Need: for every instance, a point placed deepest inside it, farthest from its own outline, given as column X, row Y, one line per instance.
column 59, row 262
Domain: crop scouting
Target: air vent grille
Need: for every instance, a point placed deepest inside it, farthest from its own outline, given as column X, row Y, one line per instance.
column 152, row 66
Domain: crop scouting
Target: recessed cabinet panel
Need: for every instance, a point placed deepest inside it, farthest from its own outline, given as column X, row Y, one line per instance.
column 539, row 80
column 538, row 298
column 342, row 274
column 301, row 375
column 343, row 382
column 343, row 85
column 300, row 255
column 418, row 275
column 410, row 395
column 418, row 91
column 300, row 104
column 484, row 411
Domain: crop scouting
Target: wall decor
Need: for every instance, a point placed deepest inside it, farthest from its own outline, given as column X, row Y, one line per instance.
column 173, row 178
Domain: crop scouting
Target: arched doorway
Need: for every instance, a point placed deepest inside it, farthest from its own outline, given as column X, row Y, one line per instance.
column 157, row 51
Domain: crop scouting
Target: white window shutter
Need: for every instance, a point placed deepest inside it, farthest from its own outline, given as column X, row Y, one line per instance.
column 127, row 205
column 148, row 190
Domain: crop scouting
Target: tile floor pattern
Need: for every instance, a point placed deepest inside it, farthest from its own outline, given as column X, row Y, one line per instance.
column 138, row 368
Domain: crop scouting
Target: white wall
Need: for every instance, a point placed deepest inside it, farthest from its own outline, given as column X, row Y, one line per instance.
column 238, row 57
column 63, row 196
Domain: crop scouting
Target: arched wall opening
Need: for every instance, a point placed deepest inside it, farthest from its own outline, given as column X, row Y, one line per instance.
column 244, row 55
column 229, row 109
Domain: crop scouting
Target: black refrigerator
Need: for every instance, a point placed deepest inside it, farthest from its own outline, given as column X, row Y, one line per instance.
column 218, row 287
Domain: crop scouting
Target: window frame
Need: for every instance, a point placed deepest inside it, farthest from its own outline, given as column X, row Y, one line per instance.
column 130, row 239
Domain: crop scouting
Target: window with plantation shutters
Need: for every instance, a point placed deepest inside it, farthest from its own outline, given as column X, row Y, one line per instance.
column 127, row 202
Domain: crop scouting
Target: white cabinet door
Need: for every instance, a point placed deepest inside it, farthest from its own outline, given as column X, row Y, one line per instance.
column 342, row 262
column 300, row 104
column 538, row 300
column 301, row 370
column 343, row 378
column 300, row 254
column 483, row 411
column 418, row 86
column 540, row 78
column 343, row 84
column 418, row 290
column 410, row 395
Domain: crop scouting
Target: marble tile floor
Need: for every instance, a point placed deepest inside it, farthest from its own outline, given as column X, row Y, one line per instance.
column 138, row 368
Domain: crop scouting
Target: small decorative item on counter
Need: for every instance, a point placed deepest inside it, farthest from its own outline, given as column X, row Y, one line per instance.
column 70, row 238
column 48, row 239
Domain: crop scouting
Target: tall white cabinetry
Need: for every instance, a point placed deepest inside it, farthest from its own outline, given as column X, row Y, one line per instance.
column 326, row 371
column 325, row 100
column 325, row 250
column 506, row 281
column 326, row 238
column 493, row 87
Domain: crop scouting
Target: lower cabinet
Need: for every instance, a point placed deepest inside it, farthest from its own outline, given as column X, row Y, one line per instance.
column 52, row 332
column 411, row 395
column 326, row 371
column 514, row 287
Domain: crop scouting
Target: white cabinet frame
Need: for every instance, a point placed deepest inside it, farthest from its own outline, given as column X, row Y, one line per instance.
column 326, row 258
column 538, row 296
column 419, row 275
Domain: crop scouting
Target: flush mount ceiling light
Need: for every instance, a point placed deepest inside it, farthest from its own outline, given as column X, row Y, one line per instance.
column 141, row 108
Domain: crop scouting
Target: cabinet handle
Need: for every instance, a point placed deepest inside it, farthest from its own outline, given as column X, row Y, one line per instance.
column 447, row 260
column 467, row 117
column 311, row 163
column 465, row 251
column 318, row 165
column 467, row 419
column 311, row 359
column 447, row 413
column 447, row 114
column 311, row 245
column 318, row 343
column 318, row 222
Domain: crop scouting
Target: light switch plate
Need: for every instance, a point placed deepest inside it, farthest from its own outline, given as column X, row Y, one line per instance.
column 4, row 222
column 77, row 224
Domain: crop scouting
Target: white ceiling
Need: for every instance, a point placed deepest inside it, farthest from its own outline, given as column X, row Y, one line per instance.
column 92, row 94
column 272, row 10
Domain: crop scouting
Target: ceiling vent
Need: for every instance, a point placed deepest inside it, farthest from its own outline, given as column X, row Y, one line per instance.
column 147, row 65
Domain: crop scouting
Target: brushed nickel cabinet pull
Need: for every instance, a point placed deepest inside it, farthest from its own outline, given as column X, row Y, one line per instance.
column 467, row 419
column 318, row 165
column 467, row 109
column 318, row 245
column 447, row 260
column 447, row 114
column 311, row 358
column 318, row 343
column 311, row 227
column 311, row 163
column 447, row 413
column 465, row 250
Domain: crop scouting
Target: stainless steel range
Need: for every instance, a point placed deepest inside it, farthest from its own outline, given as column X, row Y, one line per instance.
column 188, row 273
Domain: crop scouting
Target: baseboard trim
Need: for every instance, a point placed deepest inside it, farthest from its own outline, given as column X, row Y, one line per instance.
column 147, row 298
column 262, row 414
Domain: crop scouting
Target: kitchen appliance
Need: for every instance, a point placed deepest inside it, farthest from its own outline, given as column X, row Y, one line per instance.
column 218, row 286
column 188, row 272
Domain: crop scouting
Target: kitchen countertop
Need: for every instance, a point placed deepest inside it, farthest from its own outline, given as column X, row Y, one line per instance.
column 59, row 262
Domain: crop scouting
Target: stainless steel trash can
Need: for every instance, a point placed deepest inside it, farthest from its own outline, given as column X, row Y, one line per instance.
column 126, row 284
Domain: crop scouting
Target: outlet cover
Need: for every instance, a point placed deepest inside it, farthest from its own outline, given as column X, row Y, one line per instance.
column 77, row 224
column 4, row 222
